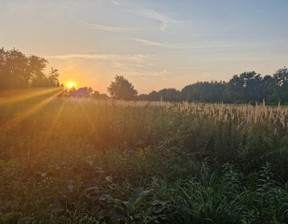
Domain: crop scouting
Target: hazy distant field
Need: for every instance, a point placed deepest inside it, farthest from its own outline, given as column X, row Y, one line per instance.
column 87, row 161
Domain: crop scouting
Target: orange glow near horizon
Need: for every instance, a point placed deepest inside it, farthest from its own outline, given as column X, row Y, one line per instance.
column 71, row 85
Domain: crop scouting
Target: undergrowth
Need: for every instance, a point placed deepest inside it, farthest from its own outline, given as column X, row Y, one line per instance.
column 85, row 161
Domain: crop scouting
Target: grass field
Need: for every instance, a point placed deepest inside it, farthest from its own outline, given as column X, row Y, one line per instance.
column 87, row 161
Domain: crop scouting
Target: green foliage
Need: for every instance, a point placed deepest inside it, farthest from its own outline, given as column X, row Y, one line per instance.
column 19, row 71
column 122, row 89
column 131, row 162
column 11, row 217
column 247, row 87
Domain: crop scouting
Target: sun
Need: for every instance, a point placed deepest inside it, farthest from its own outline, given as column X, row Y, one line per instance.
column 70, row 85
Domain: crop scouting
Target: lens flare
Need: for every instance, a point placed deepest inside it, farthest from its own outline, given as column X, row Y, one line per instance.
column 71, row 85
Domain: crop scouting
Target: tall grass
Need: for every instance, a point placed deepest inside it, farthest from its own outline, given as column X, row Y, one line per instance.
column 87, row 161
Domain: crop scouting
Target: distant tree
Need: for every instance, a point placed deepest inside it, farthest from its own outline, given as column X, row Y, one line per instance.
column 247, row 87
column 236, row 88
column 143, row 97
column 13, row 70
column 153, row 96
column 53, row 78
column 99, row 96
column 19, row 71
column 122, row 89
column 280, row 90
column 170, row 94
column 36, row 68
column 269, row 86
column 281, row 76
column 205, row 92
column 253, row 86
column 82, row 92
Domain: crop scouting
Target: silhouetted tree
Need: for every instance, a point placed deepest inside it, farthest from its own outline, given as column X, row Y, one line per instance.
column 53, row 78
column 247, row 87
column 280, row 90
column 122, row 89
column 269, row 83
column 206, row 92
column 99, row 96
column 170, row 94
column 82, row 92
column 236, row 88
column 20, row 71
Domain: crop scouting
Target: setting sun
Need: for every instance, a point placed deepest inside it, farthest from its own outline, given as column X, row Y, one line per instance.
column 70, row 85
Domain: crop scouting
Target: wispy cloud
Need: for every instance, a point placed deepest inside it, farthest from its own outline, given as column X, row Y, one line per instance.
column 170, row 45
column 200, row 46
column 116, row 61
column 164, row 20
column 163, row 74
column 111, row 28
column 137, row 58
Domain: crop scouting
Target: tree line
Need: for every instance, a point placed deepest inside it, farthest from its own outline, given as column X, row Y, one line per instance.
column 84, row 92
column 247, row 87
column 20, row 71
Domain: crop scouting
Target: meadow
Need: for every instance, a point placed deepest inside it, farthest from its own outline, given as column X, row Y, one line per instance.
column 65, row 160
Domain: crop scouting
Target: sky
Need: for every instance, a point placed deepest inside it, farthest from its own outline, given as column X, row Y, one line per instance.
column 155, row 44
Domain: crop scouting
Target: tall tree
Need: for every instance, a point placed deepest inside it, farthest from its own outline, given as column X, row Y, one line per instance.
column 280, row 92
column 205, row 92
column 122, row 89
column 99, row 96
column 247, row 87
column 170, row 94
column 19, row 71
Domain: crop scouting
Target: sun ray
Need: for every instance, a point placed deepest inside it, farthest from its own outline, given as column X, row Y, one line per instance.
column 49, row 133
column 30, row 111
column 14, row 96
column 85, row 113
column 54, row 122
column 42, row 150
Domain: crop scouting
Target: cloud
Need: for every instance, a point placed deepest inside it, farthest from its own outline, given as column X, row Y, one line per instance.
column 200, row 46
column 137, row 58
column 116, row 61
column 155, row 74
column 169, row 45
column 164, row 20
column 111, row 28
column 108, row 63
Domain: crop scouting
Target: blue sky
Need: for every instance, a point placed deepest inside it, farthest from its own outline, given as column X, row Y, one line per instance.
column 153, row 43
